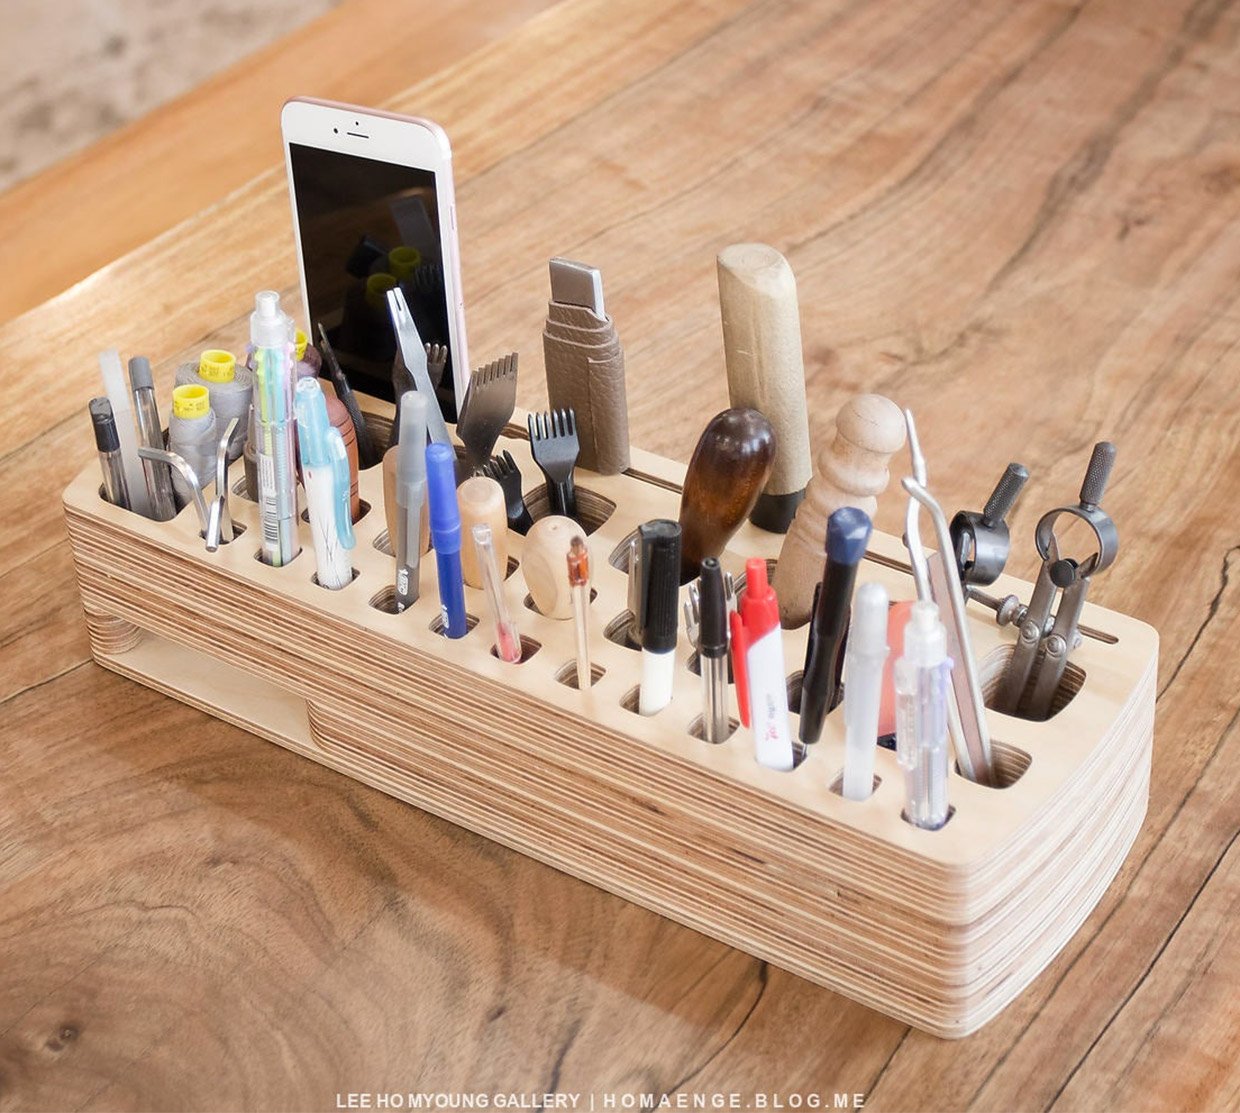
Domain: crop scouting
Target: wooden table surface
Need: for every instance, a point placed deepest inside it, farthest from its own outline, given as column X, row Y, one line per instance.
column 1018, row 218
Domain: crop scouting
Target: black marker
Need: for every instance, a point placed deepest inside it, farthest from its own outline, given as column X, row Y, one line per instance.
column 848, row 531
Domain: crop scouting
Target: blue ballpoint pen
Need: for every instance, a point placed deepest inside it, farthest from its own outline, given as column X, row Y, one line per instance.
column 325, row 475
column 445, row 521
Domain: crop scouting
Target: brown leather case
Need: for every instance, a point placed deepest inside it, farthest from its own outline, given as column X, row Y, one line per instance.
column 585, row 370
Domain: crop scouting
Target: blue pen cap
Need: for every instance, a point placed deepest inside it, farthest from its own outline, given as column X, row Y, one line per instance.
column 848, row 533
column 445, row 512
column 312, row 424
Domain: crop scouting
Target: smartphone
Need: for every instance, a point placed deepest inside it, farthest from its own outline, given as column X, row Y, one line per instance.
column 373, row 208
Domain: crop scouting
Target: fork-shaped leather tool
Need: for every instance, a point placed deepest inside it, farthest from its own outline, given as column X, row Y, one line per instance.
column 488, row 408
column 436, row 360
column 503, row 469
column 553, row 441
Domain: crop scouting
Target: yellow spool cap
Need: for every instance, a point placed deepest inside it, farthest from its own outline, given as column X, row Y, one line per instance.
column 403, row 261
column 300, row 340
column 191, row 400
column 217, row 366
column 377, row 286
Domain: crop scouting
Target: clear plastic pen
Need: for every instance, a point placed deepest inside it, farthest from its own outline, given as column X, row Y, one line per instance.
column 507, row 639
column 579, row 583
column 922, row 681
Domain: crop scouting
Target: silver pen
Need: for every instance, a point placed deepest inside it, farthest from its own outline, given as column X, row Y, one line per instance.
column 713, row 651
column 115, row 489
column 151, row 434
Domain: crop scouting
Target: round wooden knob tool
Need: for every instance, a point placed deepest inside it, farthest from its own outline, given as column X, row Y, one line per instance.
column 852, row 471
column 726, row 474
column 544, row 562
column 762, row 347
column 481, row 500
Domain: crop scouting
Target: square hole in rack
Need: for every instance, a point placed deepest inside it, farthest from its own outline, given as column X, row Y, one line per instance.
column 593, row 509
column 994, row 664
column 697, row 728
column 238, row 530
column 619, row 557
column 567, row 674
column 314, row 579
column 620, row 630
column 384, row 544
column 241, row 489
column 385, row 600
column 837, row 786
column 1009, row 763
column 437, row 626
column 631, row 700
column 528, row 601
column 258, row 556
column 528, row 648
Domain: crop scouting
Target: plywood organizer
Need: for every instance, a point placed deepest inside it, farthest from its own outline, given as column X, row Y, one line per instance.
column 940, row 929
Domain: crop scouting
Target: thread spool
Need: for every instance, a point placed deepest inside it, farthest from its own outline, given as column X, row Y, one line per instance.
column 852, row 471
column 766, row 371
column 230, row 386
column 192, row 435
column 481, row 500
column 545, row 565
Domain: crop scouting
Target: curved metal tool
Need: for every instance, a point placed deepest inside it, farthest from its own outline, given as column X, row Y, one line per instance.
column 938, row 581
column 980, row 541
column 219, row 520
column 173, row 460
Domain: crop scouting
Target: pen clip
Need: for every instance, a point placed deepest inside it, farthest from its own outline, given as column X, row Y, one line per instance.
column 341, row 483
column 740, row 665
column 637, row 586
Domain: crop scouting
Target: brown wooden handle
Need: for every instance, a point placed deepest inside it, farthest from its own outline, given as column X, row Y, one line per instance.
column 729, row 468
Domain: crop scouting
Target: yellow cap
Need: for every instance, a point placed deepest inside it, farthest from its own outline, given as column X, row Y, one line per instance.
column 403, row 261
column 217, row 366
column 191, row 400
column 377, row 286
column 300, row 340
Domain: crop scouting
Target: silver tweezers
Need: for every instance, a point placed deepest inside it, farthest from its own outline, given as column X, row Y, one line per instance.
column 413, row 352
column 938, row 581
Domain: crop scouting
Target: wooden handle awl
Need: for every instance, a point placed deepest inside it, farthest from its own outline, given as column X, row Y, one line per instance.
column 766, row 372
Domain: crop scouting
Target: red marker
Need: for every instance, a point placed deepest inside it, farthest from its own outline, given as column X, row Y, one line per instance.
column 758, row 666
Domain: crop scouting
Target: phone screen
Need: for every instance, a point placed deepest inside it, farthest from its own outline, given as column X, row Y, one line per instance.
column 366, row 227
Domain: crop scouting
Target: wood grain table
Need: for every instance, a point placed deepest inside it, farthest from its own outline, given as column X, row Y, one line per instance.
column 1018, row 218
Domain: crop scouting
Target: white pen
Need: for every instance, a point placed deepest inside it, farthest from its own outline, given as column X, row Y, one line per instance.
column 863, row 688
column 325, row 475
column 922, row 678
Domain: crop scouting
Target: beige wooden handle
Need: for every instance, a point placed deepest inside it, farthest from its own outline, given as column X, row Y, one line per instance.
column 544, row 560
column 766, row 372
column 482, row 503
